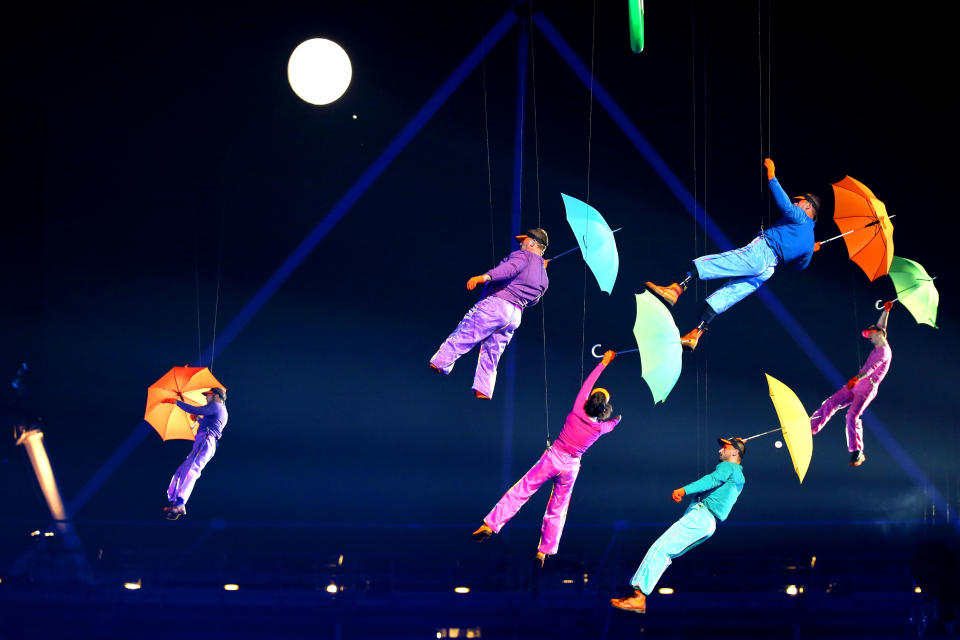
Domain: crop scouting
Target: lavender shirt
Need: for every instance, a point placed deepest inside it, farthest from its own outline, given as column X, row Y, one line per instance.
column 520, row 279
column 580, row 430
column 213, row 416
column 877, row 364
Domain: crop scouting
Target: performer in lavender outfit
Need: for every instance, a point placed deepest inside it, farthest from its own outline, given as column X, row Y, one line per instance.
column 561, row 463
column 213, row 418
column 860, row 391
column 518, row 282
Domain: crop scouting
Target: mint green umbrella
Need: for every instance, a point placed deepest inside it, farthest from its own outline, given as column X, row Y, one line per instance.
column 915, row 290
column 595, row 239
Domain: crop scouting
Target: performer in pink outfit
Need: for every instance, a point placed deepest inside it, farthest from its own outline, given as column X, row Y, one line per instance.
column 561, row 463
column 860, row 390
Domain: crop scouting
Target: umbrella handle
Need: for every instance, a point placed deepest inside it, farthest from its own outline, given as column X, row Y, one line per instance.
column 879, row 305
column 593, row 351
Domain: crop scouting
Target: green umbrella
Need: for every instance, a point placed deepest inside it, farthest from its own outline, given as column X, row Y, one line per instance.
column 658, row 341
column 915, row 290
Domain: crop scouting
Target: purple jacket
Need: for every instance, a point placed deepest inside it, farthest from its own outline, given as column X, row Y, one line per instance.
column 877, row 364
column 580, row 430
column 520, row 279
column 213, row 416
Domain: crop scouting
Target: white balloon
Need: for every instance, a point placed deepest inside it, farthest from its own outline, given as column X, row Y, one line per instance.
column 778, row 444
column 319, row 71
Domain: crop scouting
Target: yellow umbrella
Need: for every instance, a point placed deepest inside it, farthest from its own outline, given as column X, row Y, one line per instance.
column 794, row 423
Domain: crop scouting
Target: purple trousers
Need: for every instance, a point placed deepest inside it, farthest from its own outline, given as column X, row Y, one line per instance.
column 554, row 465
column 489, row 323
column 857, row 399
column 181, row 485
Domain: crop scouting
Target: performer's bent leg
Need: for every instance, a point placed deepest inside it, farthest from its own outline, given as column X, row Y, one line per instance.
column 735, row 290
column 696, row 525
column 840, row 399
column 556, row 514
column 485, row 377
column 858, row 405
column 750, row 260
column 481, row 320
column 185, row 477
column 544, row 469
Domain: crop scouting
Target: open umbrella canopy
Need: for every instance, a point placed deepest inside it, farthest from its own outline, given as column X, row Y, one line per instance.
column 595, row 239
column 658, row 341
column 915, row 290
column 864, row 220
column 190, row 383
column 795, row 424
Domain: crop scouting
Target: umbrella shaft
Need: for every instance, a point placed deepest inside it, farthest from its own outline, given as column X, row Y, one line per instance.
column 577, row 248
column 869, row 224
column 763, row 434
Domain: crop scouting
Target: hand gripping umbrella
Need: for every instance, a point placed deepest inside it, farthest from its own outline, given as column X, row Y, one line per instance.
column 186, row 383
column 867, row 230
column 658, row 342
column 915, row 290
column 795, row 424
column 596, row 241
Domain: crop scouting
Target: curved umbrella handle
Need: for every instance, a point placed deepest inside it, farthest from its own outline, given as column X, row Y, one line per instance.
column 879, row 304
column 593, row 350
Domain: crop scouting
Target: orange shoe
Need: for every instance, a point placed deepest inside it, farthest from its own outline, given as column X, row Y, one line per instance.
column 481, row 396
column 668, row 294
column 482, row 533
column 857, row 458
column 435, row 368
column 636, row 603
column 541, row 558
column 689, row 341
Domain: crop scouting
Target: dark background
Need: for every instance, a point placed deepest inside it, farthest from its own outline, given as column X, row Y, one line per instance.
column 160, row 169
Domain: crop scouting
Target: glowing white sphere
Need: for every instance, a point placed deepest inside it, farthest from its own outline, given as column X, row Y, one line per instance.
column 319, row 71
column 778, row 444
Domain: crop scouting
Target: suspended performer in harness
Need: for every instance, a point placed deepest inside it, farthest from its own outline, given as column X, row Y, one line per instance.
column 587, row 421
column 860, row 390
column 518, row 282
column 789, row 240
column 716, row 494
column 213, row 418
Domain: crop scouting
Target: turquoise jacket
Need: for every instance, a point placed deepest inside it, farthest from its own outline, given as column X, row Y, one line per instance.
column 720, row 489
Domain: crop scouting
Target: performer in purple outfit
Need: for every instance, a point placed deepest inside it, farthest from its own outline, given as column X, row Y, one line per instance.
column 213, row 418
column 561, row 463
column 860, row 391
column 518, row 282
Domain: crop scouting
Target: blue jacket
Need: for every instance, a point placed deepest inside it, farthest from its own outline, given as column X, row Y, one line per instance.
column 720, row 489
column 790, row 237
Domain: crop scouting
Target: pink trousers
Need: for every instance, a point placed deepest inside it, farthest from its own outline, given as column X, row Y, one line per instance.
column 857, row 399
column 554, row 465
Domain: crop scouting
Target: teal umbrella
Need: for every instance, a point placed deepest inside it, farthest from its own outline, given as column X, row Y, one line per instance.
column 915, row 290
column 595, row 239
column 658, row 342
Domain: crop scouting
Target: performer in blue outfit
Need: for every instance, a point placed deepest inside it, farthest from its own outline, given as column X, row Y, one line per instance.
column 789, row 240
column 715, row 494
column 213, row 418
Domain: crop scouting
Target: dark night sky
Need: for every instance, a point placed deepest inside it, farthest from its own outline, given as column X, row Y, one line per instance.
column 145, row 138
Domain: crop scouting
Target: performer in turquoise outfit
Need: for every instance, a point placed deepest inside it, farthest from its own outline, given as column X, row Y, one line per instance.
column 715, row 495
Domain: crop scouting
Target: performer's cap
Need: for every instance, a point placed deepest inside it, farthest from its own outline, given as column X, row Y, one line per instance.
column 217, row 391
column 812, row 199
column 736, row 443
column 537, row 234
column 606, row 394
column 866, row 332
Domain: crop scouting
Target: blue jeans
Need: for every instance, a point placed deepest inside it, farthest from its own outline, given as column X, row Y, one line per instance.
column 693, row 528
column 747, row 267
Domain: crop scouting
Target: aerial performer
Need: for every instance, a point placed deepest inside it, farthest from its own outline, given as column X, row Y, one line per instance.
column 518, row 282
column 588, row 420
column 715, row 494
column 860, row 390
column 789, row 240
column 212, row 420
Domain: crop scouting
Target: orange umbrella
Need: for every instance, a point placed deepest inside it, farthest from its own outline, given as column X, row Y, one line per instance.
column 186, row 382
column 866, row 227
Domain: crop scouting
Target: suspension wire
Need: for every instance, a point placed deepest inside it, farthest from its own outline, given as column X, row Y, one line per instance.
column 706, row 353
column 486, row 135
column 216, row 295
column 696, row 285
column 593, row 42
column 536, row 155
column 196, row 286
